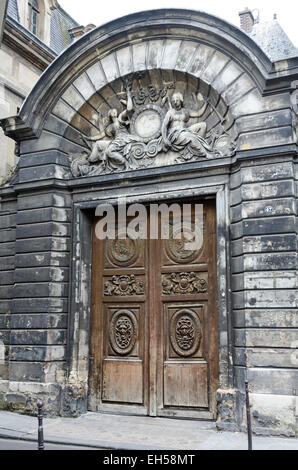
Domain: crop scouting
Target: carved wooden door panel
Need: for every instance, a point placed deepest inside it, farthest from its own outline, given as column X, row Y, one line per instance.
column 154, row 343
column 186, row 311
column 119, row 340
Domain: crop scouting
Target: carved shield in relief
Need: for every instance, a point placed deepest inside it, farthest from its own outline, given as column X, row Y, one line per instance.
column 122, row 252
column 123, row 332
column 185, row 332
column 176, row 246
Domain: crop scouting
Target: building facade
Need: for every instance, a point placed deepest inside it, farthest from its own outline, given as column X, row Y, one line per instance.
column 34, row 33
column 167, row 106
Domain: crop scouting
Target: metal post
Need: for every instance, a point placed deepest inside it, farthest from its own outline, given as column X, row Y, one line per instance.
column 40, row 426
column 249, row 430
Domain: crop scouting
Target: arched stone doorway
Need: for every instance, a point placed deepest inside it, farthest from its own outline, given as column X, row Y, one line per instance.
column 228, row 152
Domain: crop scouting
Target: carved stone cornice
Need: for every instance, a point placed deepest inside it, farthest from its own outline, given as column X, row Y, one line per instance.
column 15, row 128
column 32, row 49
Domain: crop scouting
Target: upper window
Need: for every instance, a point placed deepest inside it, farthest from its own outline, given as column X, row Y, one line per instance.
column 34, row 13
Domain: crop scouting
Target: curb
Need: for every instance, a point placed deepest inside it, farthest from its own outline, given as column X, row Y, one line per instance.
column 93, row 445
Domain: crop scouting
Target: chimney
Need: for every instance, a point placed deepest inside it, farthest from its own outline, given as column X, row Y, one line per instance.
column 246, row 20
column 78, row 31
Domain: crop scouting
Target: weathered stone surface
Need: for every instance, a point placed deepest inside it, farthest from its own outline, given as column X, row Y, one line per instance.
column 273, row 381
column 276, row 338
column 265, row 243
column 35, row 245
column 265, row 357
column 44, row 158
column 48, row 199
column 5, row 292
column 265, row 120
column 46, row 259
column 266, row 318
column 270, row 189
column 6, row 277
column 276, row 207
column 7, row 235
column 41, row 274
column 4, row 385
column 41, row 372
column 5, row 306
column 268, row 172
column 37, row 353
column 44, row 215
column 227, row 404
column 42, row 305
column 7, row 220
column 96, row 74
column 38, row 321
column 43, row 230
column 266, row 138
column 5, row 336
column 265, row 299
column 7, row 249
column 270, row 225
column 264, row 262
column 43, row 173
column 265, row 280
column 273, row 414
column 4, row 321
column 7, row 263
column 46, row 289
column 37, row 337
column 22, row 397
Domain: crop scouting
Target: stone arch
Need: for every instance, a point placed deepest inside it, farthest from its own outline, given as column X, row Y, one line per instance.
column 51, row 214
column 81, row 106
column 225, row 61
column 132, row 32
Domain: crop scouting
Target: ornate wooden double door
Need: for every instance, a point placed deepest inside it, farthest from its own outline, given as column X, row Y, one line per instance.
column 154, row 328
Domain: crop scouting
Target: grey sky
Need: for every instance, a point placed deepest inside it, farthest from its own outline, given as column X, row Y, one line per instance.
column 100, row 12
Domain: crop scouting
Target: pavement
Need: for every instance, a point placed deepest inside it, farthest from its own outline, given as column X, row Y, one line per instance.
column 107, row 431
column 14, row 444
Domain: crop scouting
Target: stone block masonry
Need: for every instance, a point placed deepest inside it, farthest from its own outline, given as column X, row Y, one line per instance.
column 47, row 210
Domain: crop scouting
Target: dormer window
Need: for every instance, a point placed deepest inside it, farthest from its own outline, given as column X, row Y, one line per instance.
column 34, row 13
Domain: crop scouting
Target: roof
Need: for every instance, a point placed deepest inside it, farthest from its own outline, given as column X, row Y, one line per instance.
column 61, row 23
column 273, row 40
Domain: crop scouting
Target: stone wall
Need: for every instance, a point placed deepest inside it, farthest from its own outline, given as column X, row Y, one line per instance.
column 17, row 77
column 7, row 265
column 39, row 309
column 264, row 283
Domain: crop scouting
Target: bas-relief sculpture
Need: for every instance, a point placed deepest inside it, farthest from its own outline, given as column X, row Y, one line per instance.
column 146, row 134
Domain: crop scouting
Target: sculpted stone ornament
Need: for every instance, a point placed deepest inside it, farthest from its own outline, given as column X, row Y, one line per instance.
column 123, row 332
column 151, row 135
